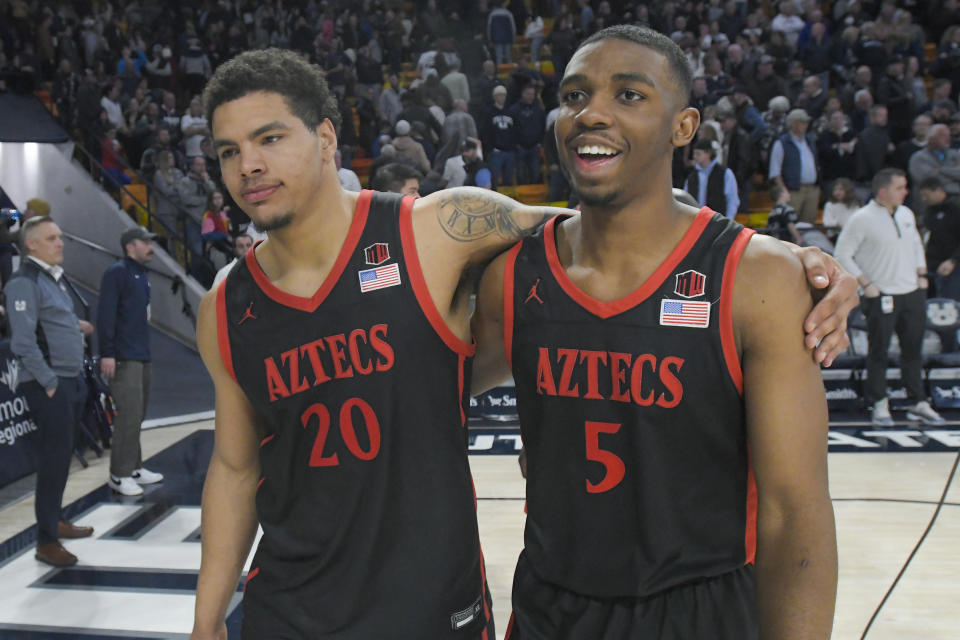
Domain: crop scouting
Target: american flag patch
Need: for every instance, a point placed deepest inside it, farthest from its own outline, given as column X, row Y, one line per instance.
column 685, row 313
column 379, row 278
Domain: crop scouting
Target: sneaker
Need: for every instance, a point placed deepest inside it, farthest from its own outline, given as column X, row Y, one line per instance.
column 124, row 486
column 145, row 476
column 881, row 414
column 923, row 412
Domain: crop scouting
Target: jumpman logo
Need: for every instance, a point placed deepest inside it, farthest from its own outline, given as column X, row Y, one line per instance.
column 533, row 293
column 247, row 315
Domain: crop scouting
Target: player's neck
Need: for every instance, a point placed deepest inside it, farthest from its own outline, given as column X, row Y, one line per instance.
column 311, row 242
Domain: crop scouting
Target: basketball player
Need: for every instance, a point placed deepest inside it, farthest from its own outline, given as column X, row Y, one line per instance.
column 340, row 351
column 675, row 423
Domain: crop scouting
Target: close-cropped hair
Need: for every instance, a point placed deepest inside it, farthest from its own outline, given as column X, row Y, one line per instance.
column 885, row 177
column 679, row 64
column 280, row 71
column 392, row 177
column 26, row 229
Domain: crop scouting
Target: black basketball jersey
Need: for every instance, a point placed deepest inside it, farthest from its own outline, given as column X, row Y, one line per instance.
column 366, row 499
column 638, row 475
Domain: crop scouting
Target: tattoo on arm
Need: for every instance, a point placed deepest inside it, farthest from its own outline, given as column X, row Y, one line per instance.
column 467, row 217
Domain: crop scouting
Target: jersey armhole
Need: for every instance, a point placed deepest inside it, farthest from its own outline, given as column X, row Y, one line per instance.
column 419, row 284
column 727, row 339
column 508, row 284
column 223, row 338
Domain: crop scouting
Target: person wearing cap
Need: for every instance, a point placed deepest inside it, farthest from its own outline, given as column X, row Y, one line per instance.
column 711, row 183
column 793, row 165
column 498, row 130
column 409, row 148
column 46, row 336
column 123, row 315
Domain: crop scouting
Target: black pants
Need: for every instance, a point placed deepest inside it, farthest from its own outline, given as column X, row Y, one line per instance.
column 908, row 319
column 56, row 419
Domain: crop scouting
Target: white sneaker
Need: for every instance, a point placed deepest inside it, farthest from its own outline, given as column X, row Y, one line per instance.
column 124, row 486
column 881, row 414
column 145, row 476
column 923, row 412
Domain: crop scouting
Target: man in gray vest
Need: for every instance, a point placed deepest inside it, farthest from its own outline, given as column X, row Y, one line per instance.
column 47, row 338
column 793, row 165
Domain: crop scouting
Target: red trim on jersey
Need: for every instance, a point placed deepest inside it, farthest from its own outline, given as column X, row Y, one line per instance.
column 419, row 284
column 483, row 591
column 461, row 361
column 508, row 271
column 346, row 250
column 750, row 531
column 506, row 636
column 727, row 339
column 260, row 482
column 223, row 339
column 268, row 439
column 614, row 307
column 250, row 576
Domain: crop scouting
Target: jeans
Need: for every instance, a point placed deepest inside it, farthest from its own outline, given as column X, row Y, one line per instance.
column 502, row 165
column 528, row 165
column 502, row 52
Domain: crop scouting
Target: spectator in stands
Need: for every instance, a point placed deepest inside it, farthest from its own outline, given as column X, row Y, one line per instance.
column 165, row 196
column 718, row 82
column 111, row 102
column 955, row 131
column 813, row 98
column 710, row 182
column 937, row 160
column 215, row 225
column 795, row 77
column 700, row 96
column 123, row 332
column 160, row 68
column 408, row 147
column 788, row 22
column 897, row 96
column 793, row 165
column 782, row 221
column 389, row 101
column 906, row 149
column 397, row 178
column 835, row 148
column 193, row 126
column 947, row 63
column 873, row 145
column 414, row 110
column 50, row 375
column 939, row 92
column 737, row 154
column 462, row 169
column 840, row 206
column 348, row 179
column 888, row 260
column 816, row 51
column 862, row 81
column 943, row 246
column 765, row 84
column 748, row 116
column 194, row 189
column 458, row 126
column 418, row 131
column 735, row 65
column 111, row 159
column 534, row 33
column 562, row 40
column 482, row 87
column 529, row 122
column 171, row 114
column 775, row 124
column 195, row 67
column 241, row 245
column 456, row 83
column 501, row 31
column 499, row 135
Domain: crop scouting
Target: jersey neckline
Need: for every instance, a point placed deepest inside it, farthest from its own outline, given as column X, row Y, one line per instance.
column 311, row 303
column 655, row 281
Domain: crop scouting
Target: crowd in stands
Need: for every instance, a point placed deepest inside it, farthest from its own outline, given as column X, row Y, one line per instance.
column 808, row 98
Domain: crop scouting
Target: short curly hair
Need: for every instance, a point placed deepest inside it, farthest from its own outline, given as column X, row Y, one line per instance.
column 280, row 71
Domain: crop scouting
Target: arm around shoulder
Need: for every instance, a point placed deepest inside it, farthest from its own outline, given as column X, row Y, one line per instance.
column 796, row 562
column 229, row 520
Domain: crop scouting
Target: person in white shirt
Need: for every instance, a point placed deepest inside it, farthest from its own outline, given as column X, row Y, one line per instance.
column 111, row 104
column 455, row 171
column 241, row 245
column 881, row 247
column 348, row 179
column 194, row 128
column 788, row 22
column 841, row 206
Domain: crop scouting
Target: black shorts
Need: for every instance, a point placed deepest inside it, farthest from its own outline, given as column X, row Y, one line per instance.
column 717, row 608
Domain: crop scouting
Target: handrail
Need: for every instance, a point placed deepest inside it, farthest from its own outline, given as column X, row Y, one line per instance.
column 176, row 282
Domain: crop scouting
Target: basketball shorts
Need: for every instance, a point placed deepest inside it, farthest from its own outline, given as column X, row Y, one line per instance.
column 719, row 608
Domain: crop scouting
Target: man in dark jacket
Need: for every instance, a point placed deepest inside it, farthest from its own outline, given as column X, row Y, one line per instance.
column 873, row 145
column 124, row 331
column 530, row 121
column 943, row 247
column 893, row 91
column 498, row 131
column 47, row 339
column 738, row 154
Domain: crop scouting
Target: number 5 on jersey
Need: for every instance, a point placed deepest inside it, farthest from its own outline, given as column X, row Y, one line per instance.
column 614, row 468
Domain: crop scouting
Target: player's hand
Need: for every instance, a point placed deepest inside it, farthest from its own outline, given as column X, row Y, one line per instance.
column 51, row 392
column 946, row 267
column 871, row 291
column 826, row 324
column 108, row 367
column 219, row 633
column 85, row 327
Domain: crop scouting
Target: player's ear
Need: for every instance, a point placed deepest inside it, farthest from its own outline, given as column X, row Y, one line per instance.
column 685, row 125
column 328, row 138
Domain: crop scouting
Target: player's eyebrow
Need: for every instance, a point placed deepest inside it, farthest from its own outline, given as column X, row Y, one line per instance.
column 633, row 76
column 276, row 124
